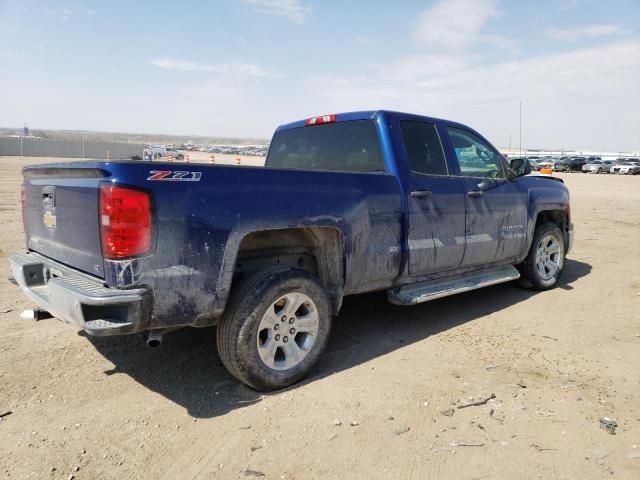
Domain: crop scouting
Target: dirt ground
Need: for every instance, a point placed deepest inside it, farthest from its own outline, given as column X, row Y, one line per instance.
column 383, row 401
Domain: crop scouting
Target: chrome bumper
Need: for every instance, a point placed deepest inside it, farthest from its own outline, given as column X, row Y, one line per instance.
column 80, row 299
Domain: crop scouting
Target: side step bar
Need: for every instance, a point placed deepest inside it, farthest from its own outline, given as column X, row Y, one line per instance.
column 443, row 287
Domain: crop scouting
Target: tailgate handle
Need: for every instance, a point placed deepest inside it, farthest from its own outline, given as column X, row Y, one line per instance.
column 49, row 196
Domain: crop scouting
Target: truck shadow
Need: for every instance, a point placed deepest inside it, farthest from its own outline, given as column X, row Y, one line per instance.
column 188, row 371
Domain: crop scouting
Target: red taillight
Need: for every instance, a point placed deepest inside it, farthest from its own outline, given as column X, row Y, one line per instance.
column 125, row 221
column 320, row 120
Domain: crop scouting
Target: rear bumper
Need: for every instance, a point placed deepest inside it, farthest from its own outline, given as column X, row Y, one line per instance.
column 80, row 299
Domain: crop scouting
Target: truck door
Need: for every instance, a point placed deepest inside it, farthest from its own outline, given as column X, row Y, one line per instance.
column 436, row 202
column 496, row 208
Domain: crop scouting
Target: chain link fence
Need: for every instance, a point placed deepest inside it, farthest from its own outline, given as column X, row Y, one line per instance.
column 69, row 148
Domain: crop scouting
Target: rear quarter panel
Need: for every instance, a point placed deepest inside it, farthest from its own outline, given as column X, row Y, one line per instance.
column 200, row 226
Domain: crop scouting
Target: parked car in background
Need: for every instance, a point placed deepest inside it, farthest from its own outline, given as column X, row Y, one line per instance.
column 597, row 166
column 626, row 168
column 546, row 162
column 162, row 151
column 173, row 153
column 570, row 164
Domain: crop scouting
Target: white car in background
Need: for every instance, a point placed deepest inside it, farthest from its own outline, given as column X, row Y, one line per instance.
column 598, row 166
column 626, row 168
column 162, row 151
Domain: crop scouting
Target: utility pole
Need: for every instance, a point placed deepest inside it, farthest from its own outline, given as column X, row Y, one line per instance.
column 520, row 128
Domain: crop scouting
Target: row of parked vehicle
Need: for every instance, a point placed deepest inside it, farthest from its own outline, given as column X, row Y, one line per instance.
column 624, row 166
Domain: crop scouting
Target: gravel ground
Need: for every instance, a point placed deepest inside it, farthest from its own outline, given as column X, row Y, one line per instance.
column 383, row 402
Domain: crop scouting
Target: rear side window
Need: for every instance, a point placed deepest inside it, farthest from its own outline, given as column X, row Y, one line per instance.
column 423, row 148
column 342, row 146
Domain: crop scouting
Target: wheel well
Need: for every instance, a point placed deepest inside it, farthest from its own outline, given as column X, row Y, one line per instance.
column 317, row 250
column 559, row 217
column 554, row 216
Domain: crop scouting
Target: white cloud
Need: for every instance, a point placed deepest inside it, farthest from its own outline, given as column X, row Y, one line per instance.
column 291, row 9
column 67, row 14
column 11, row 54
column 568, row 5
column 8, row 52
column 408, row 80
column 365, row 41
column 235, row 68
column 578, row 92
column 456, row 24
column 588, row 31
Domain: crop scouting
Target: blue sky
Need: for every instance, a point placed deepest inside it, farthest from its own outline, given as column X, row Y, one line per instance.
column 241, row 67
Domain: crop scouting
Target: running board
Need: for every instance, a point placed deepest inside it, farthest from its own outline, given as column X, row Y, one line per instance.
column 425, row 291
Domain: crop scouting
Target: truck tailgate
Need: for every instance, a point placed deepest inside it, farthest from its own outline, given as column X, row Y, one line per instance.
column 61, row 214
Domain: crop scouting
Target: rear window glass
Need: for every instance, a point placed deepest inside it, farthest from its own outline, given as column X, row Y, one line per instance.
column 343, row 146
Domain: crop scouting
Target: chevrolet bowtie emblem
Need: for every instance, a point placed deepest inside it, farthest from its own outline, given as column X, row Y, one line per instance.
column 49, row 219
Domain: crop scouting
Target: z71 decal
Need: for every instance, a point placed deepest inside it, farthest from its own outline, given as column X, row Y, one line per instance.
column 169, row 176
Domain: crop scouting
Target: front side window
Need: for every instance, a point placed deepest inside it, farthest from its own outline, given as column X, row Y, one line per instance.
column 342, row 146
column 475, row 157
column 423, row 148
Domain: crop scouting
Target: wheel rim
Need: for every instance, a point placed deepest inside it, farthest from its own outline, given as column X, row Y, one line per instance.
column 287, row 331
column 549, row 257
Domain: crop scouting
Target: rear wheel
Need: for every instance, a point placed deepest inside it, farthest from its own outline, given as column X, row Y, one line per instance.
column 275, row 328
column 545, row 261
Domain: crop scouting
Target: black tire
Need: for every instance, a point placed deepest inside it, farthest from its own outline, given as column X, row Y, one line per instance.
column 530, row 277
column 237, row 332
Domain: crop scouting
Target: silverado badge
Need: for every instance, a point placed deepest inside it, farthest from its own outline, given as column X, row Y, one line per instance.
column 49, row 219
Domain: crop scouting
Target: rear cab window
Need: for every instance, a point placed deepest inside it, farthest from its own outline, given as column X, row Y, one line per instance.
column 350, row 146
column 423, row 148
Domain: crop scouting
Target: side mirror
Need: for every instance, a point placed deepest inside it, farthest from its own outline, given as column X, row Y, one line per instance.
column 520, row 167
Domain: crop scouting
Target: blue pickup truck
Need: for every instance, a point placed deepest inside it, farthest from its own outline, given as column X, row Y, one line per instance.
column 350, row 203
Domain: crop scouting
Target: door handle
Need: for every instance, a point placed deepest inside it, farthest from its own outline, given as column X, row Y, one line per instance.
column 476, row 193
column 421, row 194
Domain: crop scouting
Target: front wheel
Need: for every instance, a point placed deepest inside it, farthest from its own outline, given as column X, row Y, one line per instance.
column 545, row 261
column 275, row 328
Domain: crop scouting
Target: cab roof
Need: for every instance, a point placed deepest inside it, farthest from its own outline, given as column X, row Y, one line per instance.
column 365, row 115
